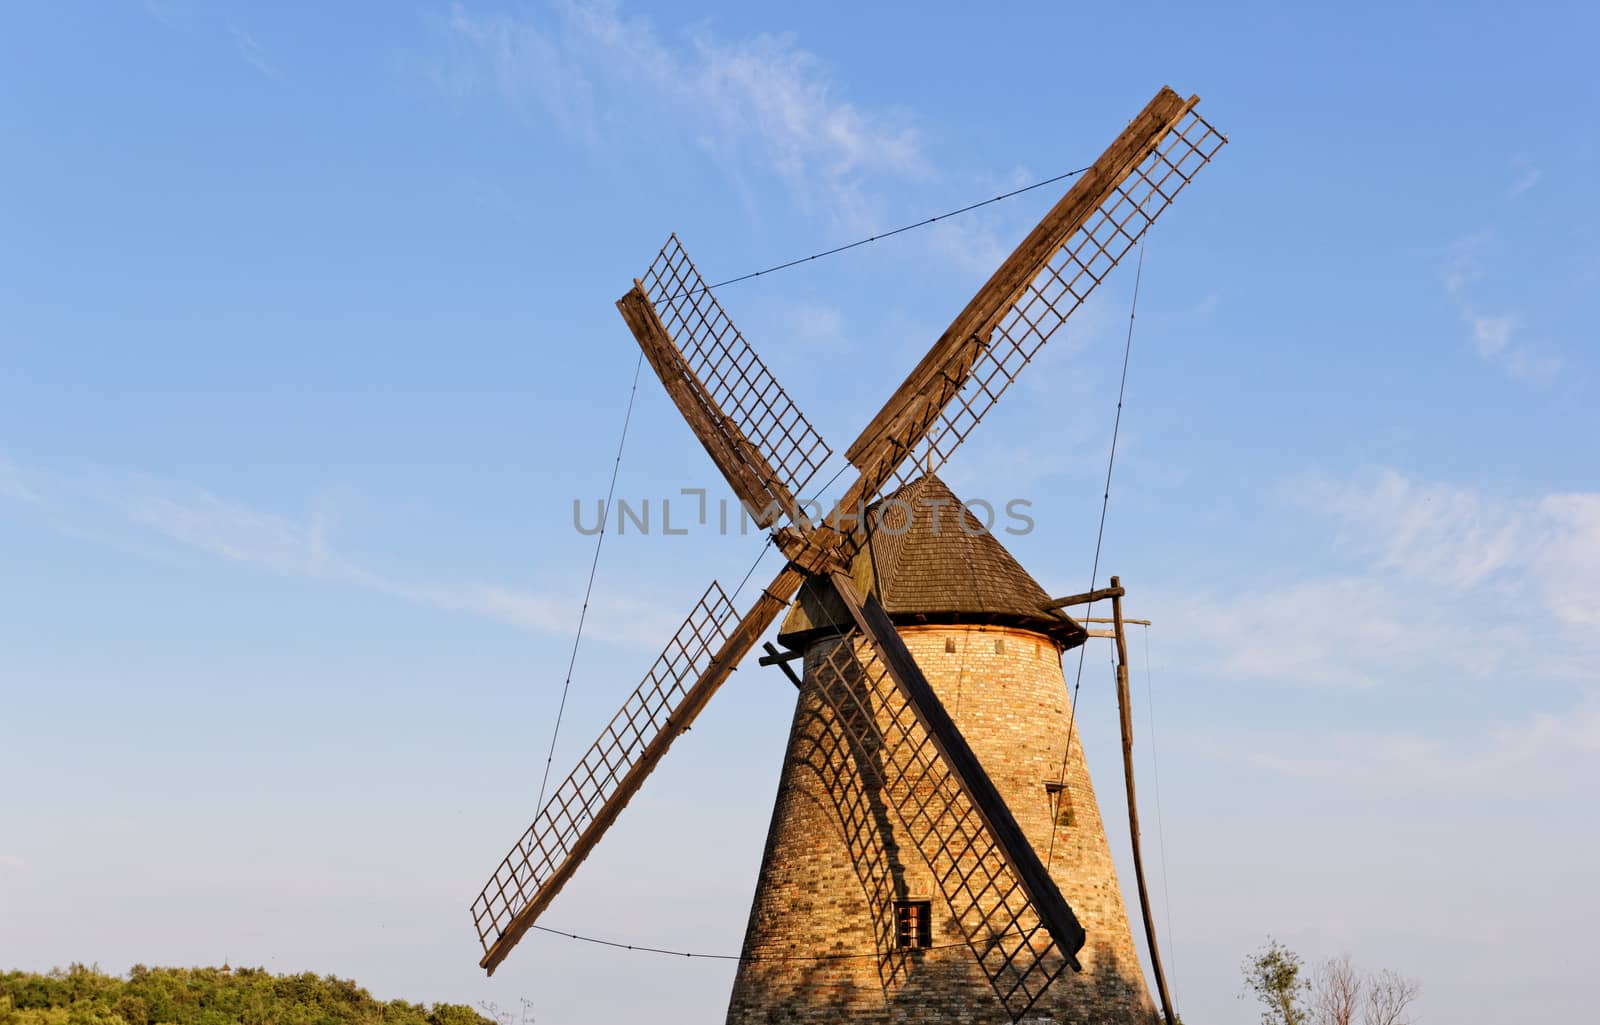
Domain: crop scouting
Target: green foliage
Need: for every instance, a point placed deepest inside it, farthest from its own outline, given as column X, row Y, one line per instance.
column 1273, row 974
column 83, row 995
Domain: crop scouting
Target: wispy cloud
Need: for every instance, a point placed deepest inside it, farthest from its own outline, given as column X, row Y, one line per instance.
column 1494, row 335
column 1527, row 176
column 759, row 105
column 815, row 322
column 1545, row 548
column 1543, row 750
column 250, row 51
column 1347, row 632
column 1442, row 585
column 97, row 505
column 1436, row 579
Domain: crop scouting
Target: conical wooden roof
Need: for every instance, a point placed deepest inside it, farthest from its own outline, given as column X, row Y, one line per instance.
column 928, row 559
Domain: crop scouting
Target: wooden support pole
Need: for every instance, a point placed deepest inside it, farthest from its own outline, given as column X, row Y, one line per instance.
column 1125, row 710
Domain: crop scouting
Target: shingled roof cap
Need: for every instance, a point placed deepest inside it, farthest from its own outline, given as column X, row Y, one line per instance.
column 929, row 559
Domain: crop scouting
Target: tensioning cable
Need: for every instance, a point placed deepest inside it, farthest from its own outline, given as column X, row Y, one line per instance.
column 1099, row 537
column 588, row 590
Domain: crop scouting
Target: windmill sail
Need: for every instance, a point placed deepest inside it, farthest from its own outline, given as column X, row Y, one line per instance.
column 1001, row 924
column 1035, row 290
column 750, row 413
column 706, row 648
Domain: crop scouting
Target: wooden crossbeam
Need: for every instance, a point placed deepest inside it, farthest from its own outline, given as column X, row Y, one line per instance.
column 1084, row 599
column 781, row 659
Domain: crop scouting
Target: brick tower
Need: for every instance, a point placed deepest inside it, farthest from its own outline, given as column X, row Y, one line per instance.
column 847, row 924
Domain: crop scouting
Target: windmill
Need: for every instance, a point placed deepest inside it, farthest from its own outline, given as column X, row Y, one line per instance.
column 930, row 789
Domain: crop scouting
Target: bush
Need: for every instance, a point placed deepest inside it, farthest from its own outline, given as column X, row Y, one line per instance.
column 82, row 995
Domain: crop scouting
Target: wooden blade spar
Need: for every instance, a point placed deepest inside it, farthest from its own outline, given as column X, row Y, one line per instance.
column 746, row 470
column 747, row 423
column 1044, row 280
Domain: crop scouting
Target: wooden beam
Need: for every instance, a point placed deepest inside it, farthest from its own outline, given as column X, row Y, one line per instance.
column 1125, row 713
column 1054, row 912
column 974, row 324
column 775, row 657
column 1085, row 598
column 1100, row 619
column 743, row 466
column 781, row 659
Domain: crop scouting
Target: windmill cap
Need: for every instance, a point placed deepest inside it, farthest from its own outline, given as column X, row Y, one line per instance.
column 929, row 560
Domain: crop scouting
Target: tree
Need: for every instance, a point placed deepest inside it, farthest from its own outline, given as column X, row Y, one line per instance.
column 1336, row 991
column 1389, row 994
column 1273, row 975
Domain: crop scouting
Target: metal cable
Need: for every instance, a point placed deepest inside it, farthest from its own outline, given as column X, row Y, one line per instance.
column 605, row 514
column 887, row 234
column 1105, row 502
column 730, row 957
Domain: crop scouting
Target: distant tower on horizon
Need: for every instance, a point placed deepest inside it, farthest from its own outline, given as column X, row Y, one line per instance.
column 848, row 923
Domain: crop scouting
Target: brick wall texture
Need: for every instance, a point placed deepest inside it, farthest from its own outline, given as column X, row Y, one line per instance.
column 835, row 860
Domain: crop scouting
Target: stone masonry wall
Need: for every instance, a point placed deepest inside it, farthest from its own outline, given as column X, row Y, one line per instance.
column 836, row 858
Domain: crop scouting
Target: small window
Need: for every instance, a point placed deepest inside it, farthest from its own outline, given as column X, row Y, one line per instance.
column 913, row 924
column 999, row 645
column 949, row 645
column 1060, row 803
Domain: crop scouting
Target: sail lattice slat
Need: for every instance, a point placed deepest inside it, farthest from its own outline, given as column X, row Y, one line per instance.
column 993, row 913
column 546, row 844
column 1064, row 283
column 729, row 369
column 853, row 788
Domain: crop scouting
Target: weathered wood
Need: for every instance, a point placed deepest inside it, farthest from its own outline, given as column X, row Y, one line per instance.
column 744, row 467
column 974, row 324
column 781, row 659
column 773, row 600
column 775, row 657
column 1125, row 714
column 1102, row 619
column 1054, row 912
column 1085, row 598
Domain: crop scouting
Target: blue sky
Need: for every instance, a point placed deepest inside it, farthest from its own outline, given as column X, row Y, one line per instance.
column 307, row 346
